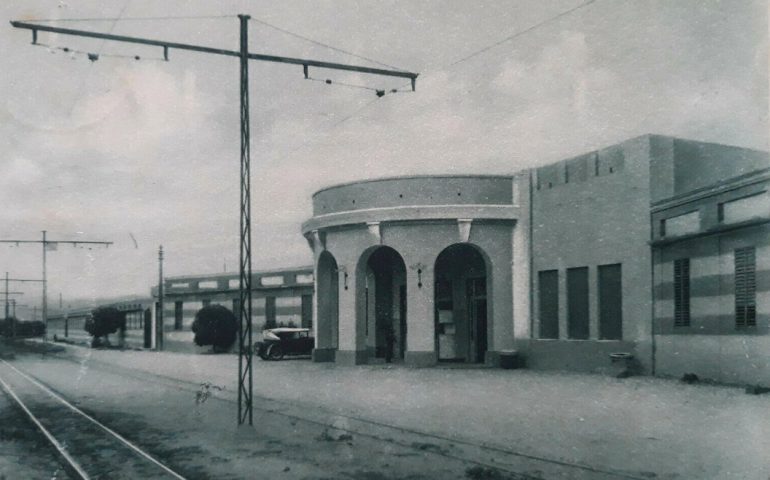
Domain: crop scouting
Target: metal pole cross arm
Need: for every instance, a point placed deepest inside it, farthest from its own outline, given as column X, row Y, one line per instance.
column 305, row 62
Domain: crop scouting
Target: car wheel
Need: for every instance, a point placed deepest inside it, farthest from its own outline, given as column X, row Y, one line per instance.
column 275, row 352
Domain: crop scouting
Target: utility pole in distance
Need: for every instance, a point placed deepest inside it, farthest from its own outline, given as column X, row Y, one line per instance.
column 245, row 348
column 13, row 318
column 7, row 307
column 159, row 314
column 52, row 245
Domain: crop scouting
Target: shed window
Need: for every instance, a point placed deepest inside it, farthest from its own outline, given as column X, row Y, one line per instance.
column 610, row 302
column 746, row 208
column 577, row 303
column 682, row 292
column 548, row 284
column 745, row 288
column 682, row 224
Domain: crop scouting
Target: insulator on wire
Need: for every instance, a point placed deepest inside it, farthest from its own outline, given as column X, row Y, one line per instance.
column 93, row 57
column 136, row 57
column 328, row 81
column 65, row 49
column 380, row 93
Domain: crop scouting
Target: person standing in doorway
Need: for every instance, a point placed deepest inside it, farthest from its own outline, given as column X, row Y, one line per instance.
column 390, row 342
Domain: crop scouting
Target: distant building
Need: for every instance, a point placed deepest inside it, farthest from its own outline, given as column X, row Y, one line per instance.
column 281, row 297
column 657, row 247
column 68, row 323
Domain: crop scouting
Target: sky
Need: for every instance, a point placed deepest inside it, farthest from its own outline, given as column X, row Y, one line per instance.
column 143, row 153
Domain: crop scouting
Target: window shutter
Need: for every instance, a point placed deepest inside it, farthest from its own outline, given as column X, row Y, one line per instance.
column 745, row 287
column 682, row 292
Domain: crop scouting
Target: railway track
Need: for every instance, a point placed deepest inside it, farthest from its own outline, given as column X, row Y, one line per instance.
column 142, row 465
column 506, row 459
column 87, row 448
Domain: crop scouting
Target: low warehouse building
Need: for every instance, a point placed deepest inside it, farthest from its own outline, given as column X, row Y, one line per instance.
column 281, row 297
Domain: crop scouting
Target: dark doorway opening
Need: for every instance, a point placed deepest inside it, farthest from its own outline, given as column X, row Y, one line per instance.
column 461, row 305
column 385, row 291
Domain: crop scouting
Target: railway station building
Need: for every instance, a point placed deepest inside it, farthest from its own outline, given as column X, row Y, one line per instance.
column 606, row 252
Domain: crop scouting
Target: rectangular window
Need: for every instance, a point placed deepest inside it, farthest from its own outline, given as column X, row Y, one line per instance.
column 682, row 292
column 683, row 224
column 746, row 208
column 745, row 288
column 307, row 311
column 548, row 283
column 178, row 315
column 577, row 303
column 610, row 302
column 663, row 227
column 270, row 321
column 272, row 281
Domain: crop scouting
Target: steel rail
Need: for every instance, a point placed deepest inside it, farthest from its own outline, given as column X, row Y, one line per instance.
column 62, row 451
column 96, row 422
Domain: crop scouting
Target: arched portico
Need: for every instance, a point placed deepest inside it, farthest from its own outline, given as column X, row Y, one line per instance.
column 396, row 242
column 462, row 303
column 381, row 303
column 327, row 308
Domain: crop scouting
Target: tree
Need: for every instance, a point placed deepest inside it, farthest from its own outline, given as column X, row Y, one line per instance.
column 104, row 321
column 215, row 325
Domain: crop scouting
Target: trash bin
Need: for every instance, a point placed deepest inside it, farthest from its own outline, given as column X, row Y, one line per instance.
column 509, row 359
column 622, row 363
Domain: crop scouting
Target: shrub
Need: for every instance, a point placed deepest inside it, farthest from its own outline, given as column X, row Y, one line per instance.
column 104, row 321
column 23, row 328
column 215, row 325
column 34, row 328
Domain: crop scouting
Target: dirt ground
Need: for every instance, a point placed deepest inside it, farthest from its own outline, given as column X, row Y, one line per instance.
column 390, row 422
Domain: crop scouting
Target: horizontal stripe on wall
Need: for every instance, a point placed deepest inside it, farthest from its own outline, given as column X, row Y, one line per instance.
column 712, row 285
column 712, row 325
column 254, row 311
column 714, row 246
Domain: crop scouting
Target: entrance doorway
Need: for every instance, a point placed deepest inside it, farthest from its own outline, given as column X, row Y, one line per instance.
column 385, row 304
column 461, row 305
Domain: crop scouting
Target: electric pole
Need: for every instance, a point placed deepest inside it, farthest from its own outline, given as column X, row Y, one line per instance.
column 13, row 318
column 52, row 245
column 159, row 322
column 245, row 347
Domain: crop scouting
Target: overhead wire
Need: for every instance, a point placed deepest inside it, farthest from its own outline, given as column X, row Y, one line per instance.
column 93, row 56
column 518, row 34
column 480, row 51
column 326, row 45
column 128, row 19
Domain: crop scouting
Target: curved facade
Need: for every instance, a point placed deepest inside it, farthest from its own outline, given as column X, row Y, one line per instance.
column 420, row 269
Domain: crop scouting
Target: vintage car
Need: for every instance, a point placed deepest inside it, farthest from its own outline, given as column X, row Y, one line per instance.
column 277, row 342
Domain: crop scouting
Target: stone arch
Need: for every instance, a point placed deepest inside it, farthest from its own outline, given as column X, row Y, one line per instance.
column 327, row 307
column 463, row 303
column 381, row 321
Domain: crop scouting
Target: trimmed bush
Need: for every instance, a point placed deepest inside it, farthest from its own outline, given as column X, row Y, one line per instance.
column 104, row 321
column 215, row 325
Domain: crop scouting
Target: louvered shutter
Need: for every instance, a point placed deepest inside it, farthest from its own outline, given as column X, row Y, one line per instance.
column 745, row 287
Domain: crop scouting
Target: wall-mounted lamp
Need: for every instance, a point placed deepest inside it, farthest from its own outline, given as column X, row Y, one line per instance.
column 419, row 267
column 344, row 273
